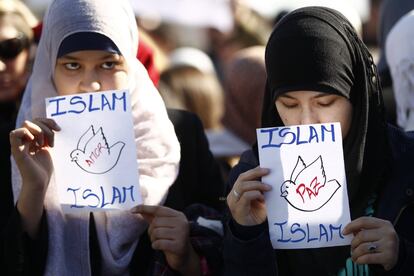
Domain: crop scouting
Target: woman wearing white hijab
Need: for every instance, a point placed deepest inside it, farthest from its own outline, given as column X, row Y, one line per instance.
column 102, row 38
column 400, row 58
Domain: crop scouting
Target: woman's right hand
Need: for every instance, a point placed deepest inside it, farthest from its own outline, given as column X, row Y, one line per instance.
column 30, row 149
column 246, row 199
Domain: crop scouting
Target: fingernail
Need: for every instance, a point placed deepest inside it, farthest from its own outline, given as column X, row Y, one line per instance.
column 269, row 187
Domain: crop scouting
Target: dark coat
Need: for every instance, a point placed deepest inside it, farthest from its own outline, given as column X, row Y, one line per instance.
column 199, row 181
column 248, row 251
column 7, row 121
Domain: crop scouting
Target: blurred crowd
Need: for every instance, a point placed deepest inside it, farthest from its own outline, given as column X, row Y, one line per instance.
column 216, row 72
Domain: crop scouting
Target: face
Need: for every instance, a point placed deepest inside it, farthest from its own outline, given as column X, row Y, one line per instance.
column 90, row 71
column 311, row 107
column 13, row 69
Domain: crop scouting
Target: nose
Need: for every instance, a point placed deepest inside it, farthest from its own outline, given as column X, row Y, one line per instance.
column 90, row 81
column 308, row 116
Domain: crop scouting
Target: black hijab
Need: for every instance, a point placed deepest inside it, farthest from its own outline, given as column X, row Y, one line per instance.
column 317, row 49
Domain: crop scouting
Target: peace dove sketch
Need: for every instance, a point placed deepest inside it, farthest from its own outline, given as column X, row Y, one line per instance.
column 93, row 153
column 307, row 190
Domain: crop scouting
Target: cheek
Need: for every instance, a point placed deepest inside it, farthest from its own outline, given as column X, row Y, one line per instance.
column 17, row 66
column 346, row 120
column 64, row 84
column 289, row 116
column 116, row 81
column 341, row 114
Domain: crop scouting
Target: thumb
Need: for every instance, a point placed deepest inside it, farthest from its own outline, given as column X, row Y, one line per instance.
column 137, row 210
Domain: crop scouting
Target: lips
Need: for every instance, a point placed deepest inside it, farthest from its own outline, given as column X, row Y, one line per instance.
column 6, row 81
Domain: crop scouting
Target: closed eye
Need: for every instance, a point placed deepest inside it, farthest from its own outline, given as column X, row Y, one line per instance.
column 326, row 103
column 326, row 100
column 286, row 103
column 289, row 106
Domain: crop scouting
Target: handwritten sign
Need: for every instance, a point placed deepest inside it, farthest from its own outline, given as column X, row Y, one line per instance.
column 94, row 155
column 308, row 205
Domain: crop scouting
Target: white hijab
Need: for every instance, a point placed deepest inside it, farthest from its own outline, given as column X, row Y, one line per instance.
column 400, row 58
column 158, row 150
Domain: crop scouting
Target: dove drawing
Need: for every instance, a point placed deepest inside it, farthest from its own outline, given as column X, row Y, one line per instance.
column 307, row 189
column 93, row 153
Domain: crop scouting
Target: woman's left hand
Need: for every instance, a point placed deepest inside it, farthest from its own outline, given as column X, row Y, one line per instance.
column 169, row 231
column 375, row 242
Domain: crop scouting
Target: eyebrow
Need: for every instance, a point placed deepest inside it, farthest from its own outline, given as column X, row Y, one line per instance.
column 320, row 95
column 68, row 56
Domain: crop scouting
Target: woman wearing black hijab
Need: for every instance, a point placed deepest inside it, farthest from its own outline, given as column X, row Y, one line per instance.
column 318, row 72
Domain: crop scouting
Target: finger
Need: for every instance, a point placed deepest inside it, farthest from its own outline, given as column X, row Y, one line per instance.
column 364, row 248
column 362, row 223
column 372, row 258
column 165, row 245
column 48, row 133
column 169, row 222
column 164, row 222
column 19, row 137
column 253, row 174
column 162, row 233
column 364, row 236
column 155, row 210
column 20, row 140
column 178, row 222
column 252, row 185
column 146, row 217
column 246, row 186
column 250, row 196
column 49, row 122
column 44, row 135
column 35, row 130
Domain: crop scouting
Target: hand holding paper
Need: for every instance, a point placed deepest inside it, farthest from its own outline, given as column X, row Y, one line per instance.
column 246, row 199
column 375, row 242
column 30, row 146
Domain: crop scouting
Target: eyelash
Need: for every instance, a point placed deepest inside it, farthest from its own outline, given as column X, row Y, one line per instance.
column 289, row 106
column 326, row 104
column 321, row 104
column 68, row 65
column 113, row 64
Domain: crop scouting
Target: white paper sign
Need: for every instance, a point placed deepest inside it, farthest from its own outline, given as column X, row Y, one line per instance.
column 94, row 155
column 308, row 204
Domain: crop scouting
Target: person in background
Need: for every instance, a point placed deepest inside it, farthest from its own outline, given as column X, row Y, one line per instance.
column 319, row 71
column 16, row 55
column 390, row 12
column 400, row 59
column 190, row 83
column 244, row 83
column 16, row 37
